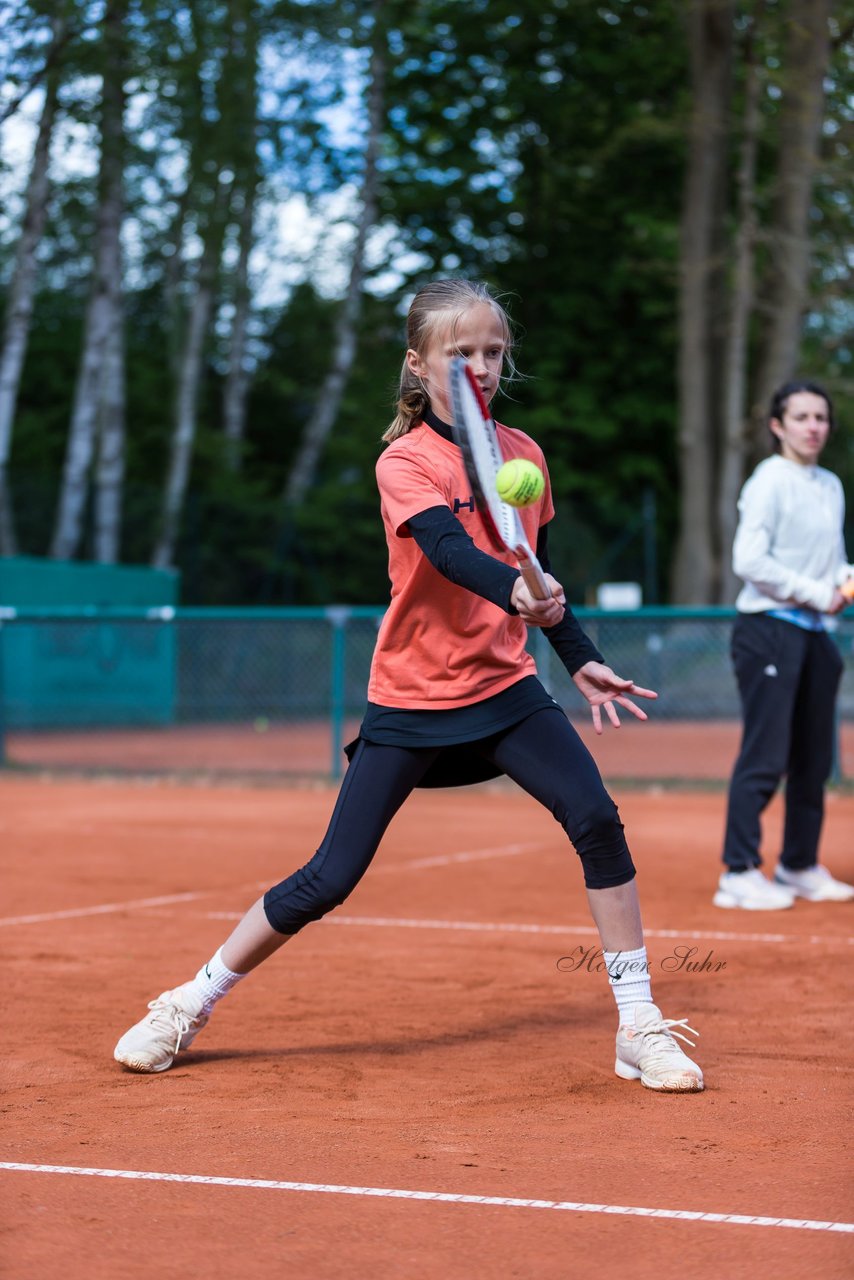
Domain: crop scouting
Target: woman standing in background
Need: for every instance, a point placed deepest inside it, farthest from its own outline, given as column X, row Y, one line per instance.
column 789, row 550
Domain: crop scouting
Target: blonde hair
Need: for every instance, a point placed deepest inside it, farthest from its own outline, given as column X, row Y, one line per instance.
column 437, row 307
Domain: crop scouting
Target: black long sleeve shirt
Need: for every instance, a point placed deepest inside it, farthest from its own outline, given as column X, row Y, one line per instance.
column 443, row 540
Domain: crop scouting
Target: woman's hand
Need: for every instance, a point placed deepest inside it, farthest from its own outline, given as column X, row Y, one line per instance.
column 538, row 613
column 602, row 688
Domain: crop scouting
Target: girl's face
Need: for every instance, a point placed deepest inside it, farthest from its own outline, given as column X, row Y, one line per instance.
column 804, row 428
column 478, row 337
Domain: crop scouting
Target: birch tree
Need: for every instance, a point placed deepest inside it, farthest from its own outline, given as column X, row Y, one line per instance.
column 189, row 375
column 245, row 106
column 771, row 300
column 236, row 387
column 22, row 289
column 63, row 31
column 110, row 473
column 219, row 126
column 103, row 322
column 210, row 178
column 345, row 336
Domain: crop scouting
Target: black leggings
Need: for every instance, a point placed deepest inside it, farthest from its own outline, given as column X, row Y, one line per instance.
column 542, row 753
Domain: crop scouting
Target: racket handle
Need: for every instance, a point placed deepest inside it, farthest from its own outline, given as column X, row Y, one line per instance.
column 535, row 579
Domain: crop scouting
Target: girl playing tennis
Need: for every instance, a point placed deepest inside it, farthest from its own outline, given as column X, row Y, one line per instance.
column 454, row 698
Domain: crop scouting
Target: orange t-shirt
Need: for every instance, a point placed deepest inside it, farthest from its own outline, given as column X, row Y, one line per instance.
column 440, row 645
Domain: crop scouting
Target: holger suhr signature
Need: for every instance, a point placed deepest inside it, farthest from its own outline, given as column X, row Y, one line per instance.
column 682, row 959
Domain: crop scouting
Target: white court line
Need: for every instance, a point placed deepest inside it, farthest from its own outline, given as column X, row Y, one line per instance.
column 441, row 1197
column 472, row 926
column 511, row 850
column 449, row 859
column 565, row 929
column 45, row 917
column 105, row 909
column 479, row 926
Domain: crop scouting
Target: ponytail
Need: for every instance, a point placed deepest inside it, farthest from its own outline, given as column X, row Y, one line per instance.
column 412, row 401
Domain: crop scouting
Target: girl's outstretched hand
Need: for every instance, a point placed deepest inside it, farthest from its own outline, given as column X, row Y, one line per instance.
column 602, row 688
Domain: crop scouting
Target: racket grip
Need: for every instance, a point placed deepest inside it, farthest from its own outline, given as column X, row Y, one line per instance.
column 535, row 579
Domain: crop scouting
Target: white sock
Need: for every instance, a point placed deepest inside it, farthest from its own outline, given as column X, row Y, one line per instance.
column 214, row 980
column 628, row 974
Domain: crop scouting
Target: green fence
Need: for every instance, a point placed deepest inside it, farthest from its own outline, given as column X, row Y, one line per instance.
column 72, row 663
column 33, row 582
column 278, row 691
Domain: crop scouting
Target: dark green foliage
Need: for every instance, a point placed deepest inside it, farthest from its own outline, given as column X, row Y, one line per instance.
column 540, row 147
column 583, row 113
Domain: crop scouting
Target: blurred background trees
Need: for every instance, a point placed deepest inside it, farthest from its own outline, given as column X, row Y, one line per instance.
column 214, row 216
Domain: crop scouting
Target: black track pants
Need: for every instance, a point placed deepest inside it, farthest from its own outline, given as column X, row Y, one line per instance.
column 788, row 680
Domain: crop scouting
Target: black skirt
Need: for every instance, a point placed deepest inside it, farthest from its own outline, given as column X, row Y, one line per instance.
column 457, row 731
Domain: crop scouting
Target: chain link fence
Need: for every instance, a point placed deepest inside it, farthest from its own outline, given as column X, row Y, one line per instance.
column 280, row 691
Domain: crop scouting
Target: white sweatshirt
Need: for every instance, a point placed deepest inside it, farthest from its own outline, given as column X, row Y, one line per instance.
column 789, row 546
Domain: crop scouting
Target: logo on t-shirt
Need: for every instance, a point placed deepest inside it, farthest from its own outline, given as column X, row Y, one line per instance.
column 459, row 504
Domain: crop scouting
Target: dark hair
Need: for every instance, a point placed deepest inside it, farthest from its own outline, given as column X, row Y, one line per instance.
column 780, row 400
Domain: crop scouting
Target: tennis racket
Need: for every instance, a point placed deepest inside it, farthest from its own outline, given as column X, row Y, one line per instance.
column 474, row 432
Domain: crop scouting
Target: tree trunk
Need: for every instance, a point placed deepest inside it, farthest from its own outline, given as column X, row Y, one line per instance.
column 104, row 312
column 805, row 64
column 111, row 456
column 62, row 31
column 323, row 418
column 735, row 408
column 109, row 479
column 184, row 433
column 710, row 39
column 23, row 285
column 237, row 378
column 245, row 31
column 173, row 271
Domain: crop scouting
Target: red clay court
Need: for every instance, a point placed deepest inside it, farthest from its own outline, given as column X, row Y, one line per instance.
column 678, row 751
column 414, row 1087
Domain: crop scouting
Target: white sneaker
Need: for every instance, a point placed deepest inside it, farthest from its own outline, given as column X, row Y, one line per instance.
column 175, row 1020
column 648, row 1052
column 752, row 891
column 816, row 884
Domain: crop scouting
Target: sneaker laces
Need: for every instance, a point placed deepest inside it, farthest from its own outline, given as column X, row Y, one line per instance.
column 171, row 1017
column 665, row 1026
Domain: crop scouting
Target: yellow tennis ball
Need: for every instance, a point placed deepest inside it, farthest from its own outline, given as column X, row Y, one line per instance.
column 520, row 482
